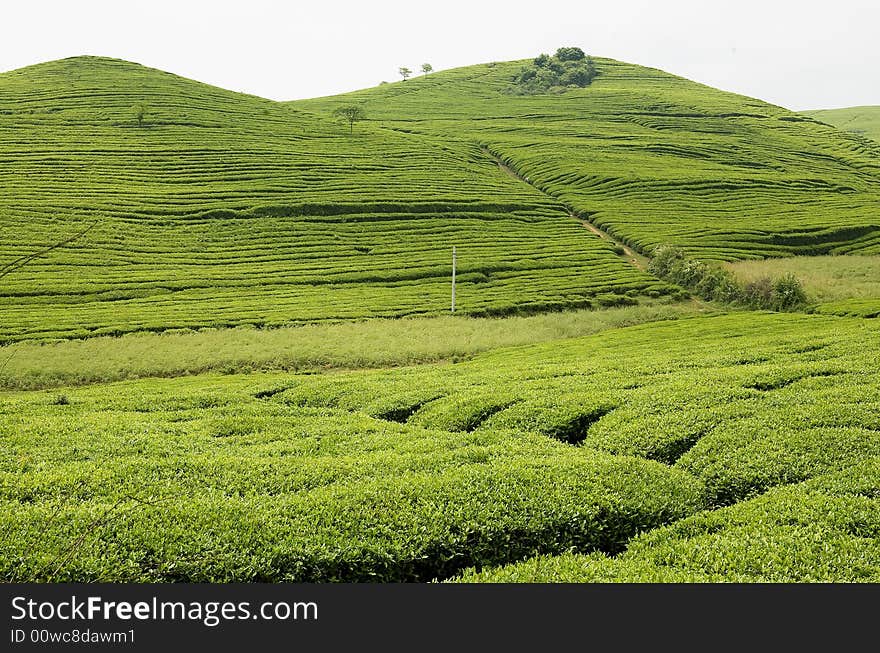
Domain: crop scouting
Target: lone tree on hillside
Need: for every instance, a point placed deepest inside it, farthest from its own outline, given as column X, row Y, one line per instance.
column 427, row 68
column 140, row 112
column 404, row 72
column 351, row 113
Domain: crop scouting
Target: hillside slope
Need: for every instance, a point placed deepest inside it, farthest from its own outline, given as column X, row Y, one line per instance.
column 858, row 120
column 656, row 158
column 224, row 209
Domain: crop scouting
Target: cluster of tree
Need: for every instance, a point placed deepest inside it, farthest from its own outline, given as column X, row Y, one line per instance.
column 352, row 113
column 406, row 73
column 714, row 283
column 568, row 68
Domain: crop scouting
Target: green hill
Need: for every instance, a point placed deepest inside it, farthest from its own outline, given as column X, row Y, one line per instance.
column 223, row 209
column 857, row 120
column 656, row 158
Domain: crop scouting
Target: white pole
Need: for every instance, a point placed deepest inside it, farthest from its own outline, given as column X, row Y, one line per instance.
column 453, row 278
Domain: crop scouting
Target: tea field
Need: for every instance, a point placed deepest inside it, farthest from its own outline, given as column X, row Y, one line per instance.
column 223, row 209
column 226, row 354
column 217, row 209
column 726, row 447
column 864, row 121
column 654, row 158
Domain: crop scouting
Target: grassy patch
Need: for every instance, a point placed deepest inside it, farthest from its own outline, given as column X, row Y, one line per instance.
column 825, row 278
column 374, row 343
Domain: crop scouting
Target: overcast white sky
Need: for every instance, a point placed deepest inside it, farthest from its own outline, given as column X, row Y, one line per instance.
column 800, row 54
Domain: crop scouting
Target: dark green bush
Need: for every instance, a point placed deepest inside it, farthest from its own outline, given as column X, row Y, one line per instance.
column 714, row 283
column 664, row 257
column 728, row 291
column 758, row 292
column 569, row 67
column 541, row 60
column 570, row 54
column 788, row 293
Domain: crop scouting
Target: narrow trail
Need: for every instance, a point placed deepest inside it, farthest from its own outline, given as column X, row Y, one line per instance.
column 636, row 260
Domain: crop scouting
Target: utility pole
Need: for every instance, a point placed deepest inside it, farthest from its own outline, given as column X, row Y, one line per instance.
column 453, row 278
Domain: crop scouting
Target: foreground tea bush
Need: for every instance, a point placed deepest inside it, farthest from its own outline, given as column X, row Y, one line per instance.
column 167, row 482
column 418, row 473
column 827, row 529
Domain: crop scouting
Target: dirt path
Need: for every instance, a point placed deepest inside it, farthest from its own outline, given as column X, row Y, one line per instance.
column 636, row 260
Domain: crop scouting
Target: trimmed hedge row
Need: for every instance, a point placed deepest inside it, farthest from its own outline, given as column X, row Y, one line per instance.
column 824, row 530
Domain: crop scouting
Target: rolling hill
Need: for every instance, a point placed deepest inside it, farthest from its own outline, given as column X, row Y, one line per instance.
column 224, row 209
column 857, row 120
column 654, row 158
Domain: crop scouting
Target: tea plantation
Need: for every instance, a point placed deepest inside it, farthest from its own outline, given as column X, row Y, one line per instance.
column 213, row 208
column 577, row 420
column 750, row 436
column 224, row 209
column 654, row 158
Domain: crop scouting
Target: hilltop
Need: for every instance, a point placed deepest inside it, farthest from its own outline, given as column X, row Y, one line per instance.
column 215, row 208
column 857, row 120
column 655, row 158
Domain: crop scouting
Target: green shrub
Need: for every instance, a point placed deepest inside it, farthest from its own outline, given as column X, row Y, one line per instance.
column 569, row 67
column 758, row 293
column 711, row 282
column 728, row 291
column 663, row 258
column 788, row 293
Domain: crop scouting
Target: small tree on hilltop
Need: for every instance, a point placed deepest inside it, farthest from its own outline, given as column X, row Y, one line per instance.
column 427, row 68
column 351, row 113
column 404, row 72
column 140, row 112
